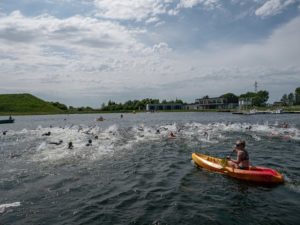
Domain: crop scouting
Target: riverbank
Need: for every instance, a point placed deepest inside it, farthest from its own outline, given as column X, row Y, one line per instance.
column 285, row 110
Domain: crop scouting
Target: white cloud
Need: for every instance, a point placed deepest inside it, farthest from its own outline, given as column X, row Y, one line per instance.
column 131, row 9
column 74, row 31
column 160, row 48
column 273, row 7
column 207, row 4
column 78, row 54
column 83, row 56
column 274, row 63
column 145, row 10
column 152, row 20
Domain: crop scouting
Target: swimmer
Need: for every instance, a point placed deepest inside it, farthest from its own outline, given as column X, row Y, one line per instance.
column 172, row 135
column 249, row 128
column 46, row 134
column 89, row 143
column 70, row 145
column 56, row 143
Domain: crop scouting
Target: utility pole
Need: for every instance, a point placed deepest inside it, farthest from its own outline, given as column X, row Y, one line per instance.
column 255, row 86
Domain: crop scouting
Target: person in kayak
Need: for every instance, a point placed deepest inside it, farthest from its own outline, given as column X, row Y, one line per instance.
column 242, row 160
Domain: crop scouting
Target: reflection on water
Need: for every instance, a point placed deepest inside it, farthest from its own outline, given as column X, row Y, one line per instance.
column 128, row 171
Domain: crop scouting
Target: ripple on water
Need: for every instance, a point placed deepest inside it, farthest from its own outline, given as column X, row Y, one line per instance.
column 133, row 175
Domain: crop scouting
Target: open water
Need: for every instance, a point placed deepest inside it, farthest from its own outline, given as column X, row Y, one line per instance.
column 133, row 175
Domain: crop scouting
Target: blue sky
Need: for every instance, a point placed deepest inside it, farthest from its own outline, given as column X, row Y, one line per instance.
column 85, row 52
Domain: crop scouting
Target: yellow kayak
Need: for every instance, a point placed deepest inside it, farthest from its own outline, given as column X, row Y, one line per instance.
column 256, row 174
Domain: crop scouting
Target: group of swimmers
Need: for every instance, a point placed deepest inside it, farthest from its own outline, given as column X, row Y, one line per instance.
column 70, row 143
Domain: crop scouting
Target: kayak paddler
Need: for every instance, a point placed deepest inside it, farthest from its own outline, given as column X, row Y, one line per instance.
column 242, row 159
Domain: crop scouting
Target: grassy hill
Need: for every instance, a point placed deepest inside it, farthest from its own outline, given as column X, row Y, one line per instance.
column 25, row 104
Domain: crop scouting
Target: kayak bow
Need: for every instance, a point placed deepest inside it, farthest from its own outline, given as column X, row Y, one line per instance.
column 255, row 174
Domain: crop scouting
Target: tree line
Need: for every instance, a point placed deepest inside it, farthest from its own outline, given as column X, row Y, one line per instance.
column 136, row 104
column 72, row 109
column 291, row 98
column 258, row 99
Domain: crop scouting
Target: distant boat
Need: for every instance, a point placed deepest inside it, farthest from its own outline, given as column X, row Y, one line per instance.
column 10, row 120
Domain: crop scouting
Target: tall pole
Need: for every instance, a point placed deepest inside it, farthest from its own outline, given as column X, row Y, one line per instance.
column 255, row 86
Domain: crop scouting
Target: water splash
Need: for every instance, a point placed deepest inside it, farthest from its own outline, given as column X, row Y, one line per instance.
column 107, row 141
column 3, row 207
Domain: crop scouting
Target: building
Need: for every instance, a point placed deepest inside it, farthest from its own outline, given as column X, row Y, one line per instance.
column 279, row 103
column 245, row 102
column 214, row 103
column 200, row 104
column 191, row 106
column 160, row 107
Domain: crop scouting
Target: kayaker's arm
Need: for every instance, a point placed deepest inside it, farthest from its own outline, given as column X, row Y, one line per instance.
column 238, row 158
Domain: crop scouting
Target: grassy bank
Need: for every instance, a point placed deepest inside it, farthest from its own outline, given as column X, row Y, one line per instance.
column 25, row 104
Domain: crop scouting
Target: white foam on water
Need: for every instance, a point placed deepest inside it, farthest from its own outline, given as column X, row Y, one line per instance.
column 113, row 138
column 290, row 184
column 293, row 187
column 255, row 137
column 3, row 207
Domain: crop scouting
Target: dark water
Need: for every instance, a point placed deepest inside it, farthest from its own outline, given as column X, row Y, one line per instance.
column 131, row 175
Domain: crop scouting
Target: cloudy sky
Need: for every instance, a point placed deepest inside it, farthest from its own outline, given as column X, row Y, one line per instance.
column 85, row 52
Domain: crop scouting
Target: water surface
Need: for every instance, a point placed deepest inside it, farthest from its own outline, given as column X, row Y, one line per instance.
column 133, row 175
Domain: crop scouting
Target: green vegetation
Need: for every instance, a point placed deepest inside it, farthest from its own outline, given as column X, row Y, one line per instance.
column 230, row 98
column 297, row 96
column 291, row 98
column 259, row 98
column 12, row 104
column 135, row 105
column 25, row 104
column 59, row 105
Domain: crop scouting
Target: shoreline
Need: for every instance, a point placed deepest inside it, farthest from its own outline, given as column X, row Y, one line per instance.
column 285, row 110
column 142, row 111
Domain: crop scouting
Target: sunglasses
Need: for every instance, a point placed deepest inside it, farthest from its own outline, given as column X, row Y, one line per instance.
column 238, row 145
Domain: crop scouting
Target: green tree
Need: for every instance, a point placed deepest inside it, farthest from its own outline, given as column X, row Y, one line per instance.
column 284, row 99
column 261, row 98
column 297, row 96
column 230, row 98
column 179, row 101
column 248, row 95
column 258, row 99
column 59, row 105
column 291, row 99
